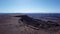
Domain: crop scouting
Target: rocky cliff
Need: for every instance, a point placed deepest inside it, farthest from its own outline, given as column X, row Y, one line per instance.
column 37, row 23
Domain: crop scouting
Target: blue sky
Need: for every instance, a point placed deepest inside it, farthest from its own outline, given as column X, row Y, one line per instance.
column 29, row 6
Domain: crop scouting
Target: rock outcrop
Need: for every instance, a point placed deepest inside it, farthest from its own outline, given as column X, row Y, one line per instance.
column 37, row 23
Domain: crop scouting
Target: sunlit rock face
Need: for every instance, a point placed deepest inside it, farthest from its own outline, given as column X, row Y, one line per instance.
column 37, row 23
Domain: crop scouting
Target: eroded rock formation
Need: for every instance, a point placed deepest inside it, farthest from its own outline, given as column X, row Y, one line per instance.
column 37, row 23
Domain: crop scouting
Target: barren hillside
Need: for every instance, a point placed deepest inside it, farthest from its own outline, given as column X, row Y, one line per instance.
column 10, row 25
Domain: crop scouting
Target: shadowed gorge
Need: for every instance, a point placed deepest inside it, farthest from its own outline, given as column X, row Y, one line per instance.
column 38, row 23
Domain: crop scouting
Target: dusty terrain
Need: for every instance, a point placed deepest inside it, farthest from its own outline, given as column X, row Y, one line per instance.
column 10, row 25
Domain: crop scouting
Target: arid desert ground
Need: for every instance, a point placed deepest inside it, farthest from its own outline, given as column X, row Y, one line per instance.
column 10, row 25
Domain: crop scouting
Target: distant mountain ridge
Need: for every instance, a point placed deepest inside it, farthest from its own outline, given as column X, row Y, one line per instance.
column 44, row 15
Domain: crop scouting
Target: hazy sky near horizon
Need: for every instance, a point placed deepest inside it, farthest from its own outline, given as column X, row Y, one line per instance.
column 29, row 6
